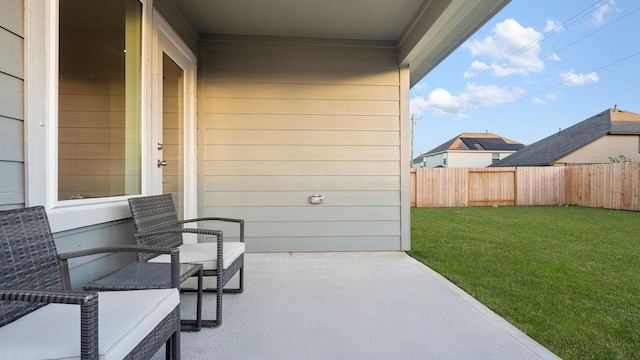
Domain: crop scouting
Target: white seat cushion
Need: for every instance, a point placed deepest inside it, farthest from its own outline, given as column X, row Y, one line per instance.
column 205, row 254
column 53, row 331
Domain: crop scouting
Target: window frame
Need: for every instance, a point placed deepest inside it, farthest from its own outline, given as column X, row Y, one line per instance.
column 41, row 125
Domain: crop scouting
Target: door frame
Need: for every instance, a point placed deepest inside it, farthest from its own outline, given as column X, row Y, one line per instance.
column 166, row 40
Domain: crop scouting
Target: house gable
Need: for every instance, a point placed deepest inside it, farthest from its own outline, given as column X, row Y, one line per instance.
column 468, row 150
column 549, row 150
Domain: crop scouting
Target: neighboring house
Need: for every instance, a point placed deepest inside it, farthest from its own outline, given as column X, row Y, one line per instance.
column 468, row 150
column 597, row 139
column 238, row 108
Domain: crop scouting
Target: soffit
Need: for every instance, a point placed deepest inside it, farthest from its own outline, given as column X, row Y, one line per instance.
column 425, row 31
column 350, row 19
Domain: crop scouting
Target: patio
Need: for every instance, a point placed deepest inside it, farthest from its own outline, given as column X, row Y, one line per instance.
column 358, row 305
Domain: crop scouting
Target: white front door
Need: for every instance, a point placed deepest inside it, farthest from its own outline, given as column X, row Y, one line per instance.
column 174, row 125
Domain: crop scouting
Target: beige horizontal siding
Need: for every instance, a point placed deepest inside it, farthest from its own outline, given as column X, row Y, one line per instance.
column 302, row 91
column 304, row 213
column 322, row 229
column 12, row 16
column 12, row 173
column 11, row 139
column 301, row 168
column 300, row 137
column 602, row 149
column 310, row 243
column 299, row 122
column 301, row 183
column 11, row 95
column 301, row 198
column 11, row 183
column 83, row 167
column 12, row 54
column 283, row 119
column 324, row 66
column 92, row 136
column 304, row 107
column 91, row 102
column 303, row 152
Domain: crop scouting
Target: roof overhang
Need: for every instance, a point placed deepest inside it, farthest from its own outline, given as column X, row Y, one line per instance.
column 425, row 31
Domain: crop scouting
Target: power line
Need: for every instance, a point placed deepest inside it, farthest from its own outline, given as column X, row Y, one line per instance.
column 595, row 31
column 553, row 31
column 567, row 80
column 570, row 21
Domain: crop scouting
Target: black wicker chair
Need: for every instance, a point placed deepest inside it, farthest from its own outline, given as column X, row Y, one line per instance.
column 157, row 224
column 38, row 318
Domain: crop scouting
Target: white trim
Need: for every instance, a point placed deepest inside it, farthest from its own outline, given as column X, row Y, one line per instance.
column 41, row 108
column 405, row 160
column 166, row 40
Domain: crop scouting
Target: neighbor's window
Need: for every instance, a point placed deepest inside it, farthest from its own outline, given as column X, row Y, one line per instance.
column 99, row 97
column 495, row 157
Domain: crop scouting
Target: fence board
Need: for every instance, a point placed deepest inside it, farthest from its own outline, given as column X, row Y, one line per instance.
column 613, row 186
column 492, row 187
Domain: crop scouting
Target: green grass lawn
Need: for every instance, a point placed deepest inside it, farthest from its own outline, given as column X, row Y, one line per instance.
column 569, row 277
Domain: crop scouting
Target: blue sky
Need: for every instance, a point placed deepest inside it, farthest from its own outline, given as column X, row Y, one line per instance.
column 536, row 67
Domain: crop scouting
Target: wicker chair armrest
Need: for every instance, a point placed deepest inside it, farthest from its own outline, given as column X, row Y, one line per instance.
column 217, row 233
column 224, row 219
column 240, row 221
column 119, row 248
column 49, row 297
column 88, row 302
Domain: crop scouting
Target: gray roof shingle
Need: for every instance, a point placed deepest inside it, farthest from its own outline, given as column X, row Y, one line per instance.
column 554, row 147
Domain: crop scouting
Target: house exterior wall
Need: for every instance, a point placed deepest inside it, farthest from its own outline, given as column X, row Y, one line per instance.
column 473, row 158
column 607, row 146
column 11, row 104
column 281, row 119
column 461, row 159
column 435, row 160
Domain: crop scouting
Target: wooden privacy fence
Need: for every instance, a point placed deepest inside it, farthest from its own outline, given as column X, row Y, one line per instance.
column 614, row 186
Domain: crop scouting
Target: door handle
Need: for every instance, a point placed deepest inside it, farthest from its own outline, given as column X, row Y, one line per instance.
column 162, row 163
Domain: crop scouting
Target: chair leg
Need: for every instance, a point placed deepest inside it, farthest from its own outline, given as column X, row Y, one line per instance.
column 219, row 287
column 172, row 347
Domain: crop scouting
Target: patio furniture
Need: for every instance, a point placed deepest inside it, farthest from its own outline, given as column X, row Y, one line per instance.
column 146, row 275
column 40, row 317
column 157, row 224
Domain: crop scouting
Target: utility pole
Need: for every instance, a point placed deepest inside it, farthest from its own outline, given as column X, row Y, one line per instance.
column 413, row 126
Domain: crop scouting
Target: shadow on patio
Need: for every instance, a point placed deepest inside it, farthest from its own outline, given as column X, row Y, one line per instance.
column 378, row 305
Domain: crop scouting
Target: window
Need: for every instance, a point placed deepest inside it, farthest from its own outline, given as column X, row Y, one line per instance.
column 87, row 104
column 495, row 157
column 99, row 97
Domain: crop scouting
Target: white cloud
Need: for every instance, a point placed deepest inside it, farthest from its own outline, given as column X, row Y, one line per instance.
column 553, row 26
column 480, row 65
column 420, row 85
column 512, row 49
column 554, row 57
column 598, row 16
column 570, row 78
column 441, row 102
column 537, row 100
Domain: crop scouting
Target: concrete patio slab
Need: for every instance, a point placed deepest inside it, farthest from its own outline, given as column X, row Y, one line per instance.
column 374, row 305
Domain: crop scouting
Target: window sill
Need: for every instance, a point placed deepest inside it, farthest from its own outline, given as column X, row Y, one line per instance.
column 76, row 215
